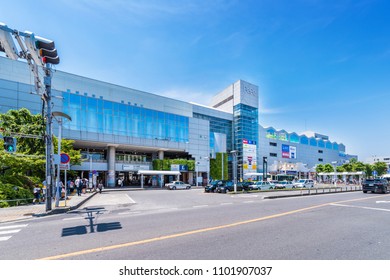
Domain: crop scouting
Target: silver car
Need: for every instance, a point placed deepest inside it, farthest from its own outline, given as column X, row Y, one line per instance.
column 177, row 185
column 261, row 185
column 304, row 183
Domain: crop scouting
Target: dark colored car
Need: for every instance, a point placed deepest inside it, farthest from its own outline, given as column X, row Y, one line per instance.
column 212, row 187
column 375, row 185
column 229, row 187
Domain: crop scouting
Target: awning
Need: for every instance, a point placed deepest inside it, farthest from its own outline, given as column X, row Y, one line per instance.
column 157, row 172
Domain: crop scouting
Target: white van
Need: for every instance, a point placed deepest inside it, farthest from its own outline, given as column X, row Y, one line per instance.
column 304, row 183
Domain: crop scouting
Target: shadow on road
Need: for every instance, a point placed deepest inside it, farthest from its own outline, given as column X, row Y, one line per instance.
column 91, row 214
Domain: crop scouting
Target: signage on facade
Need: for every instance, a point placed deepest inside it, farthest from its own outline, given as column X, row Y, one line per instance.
column 289, row 151
column 249, row 152
column 134, row 167
column 179, row 167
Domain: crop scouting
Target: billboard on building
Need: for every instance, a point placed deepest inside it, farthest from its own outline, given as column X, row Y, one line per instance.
column 249, row 153
column 289, row 151
column 217, row 143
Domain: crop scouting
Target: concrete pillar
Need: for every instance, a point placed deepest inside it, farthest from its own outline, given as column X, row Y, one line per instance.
column 111, row 166
column 160, row 154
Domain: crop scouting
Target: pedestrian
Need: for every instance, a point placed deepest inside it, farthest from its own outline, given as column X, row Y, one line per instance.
column 120, row 184
column 78, row 186
column 85, row 184
column 100, row 186
column 37, row 194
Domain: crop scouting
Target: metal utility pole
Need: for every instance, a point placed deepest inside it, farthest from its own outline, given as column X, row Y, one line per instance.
column 39, row 52
column 48, row 139
column 234, row 154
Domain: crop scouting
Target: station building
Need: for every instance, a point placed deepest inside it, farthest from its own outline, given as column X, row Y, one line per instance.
column 122, row 130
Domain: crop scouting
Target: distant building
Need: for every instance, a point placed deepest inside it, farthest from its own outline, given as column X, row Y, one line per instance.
column 375, row 159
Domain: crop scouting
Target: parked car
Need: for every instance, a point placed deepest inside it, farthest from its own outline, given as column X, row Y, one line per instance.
column 283, row 185
column 229, row 187
column 212, row 187
column 261, row 185
column 375, row 185
column 177, row 185
column 303, row 183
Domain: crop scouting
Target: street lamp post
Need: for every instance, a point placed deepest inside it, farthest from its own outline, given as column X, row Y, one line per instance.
column 58, row 116
column 234, row 154
column 208, row 169
column 265, row 167
column 334, row 168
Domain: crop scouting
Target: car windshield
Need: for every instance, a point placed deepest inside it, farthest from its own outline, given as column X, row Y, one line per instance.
column 301, row 181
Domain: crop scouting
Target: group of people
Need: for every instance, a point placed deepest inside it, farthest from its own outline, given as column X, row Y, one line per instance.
column 82, row 185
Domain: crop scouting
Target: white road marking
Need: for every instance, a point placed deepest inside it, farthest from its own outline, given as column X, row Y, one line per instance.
column 361, row 207
column 10, row 230
column 15, row 226
column 132, row 200
column 249, row 201
column 385, row 201
column 227, row 203
column 199, row 206
column 5, row 238
column 74, row 218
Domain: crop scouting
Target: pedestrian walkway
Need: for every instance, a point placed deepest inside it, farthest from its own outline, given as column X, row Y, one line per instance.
column 23, row 212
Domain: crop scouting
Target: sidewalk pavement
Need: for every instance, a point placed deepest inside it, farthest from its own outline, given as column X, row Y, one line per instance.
column 18, row 213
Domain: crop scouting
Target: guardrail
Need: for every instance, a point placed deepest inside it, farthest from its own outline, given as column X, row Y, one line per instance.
column 331, row 189
column 17, row 202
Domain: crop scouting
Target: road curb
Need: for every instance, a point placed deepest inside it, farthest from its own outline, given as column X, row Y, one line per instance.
column 306, row 194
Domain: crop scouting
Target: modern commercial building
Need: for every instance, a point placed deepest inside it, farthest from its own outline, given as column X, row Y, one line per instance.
column 122, row 130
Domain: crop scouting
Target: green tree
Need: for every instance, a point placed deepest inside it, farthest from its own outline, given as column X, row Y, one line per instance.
column 328, row 168
column 22, row 122
column 320, row 168
column 380, row 167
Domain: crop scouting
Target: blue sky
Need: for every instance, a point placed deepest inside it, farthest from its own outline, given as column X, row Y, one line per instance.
column 320, row 65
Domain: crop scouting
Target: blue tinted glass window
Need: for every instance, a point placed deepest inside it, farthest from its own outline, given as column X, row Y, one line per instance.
column 294, row 138
column 304, row 140
column 313, row 142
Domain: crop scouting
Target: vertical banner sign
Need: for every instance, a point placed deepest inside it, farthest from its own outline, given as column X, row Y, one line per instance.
column 289, row 151
column 249, row 151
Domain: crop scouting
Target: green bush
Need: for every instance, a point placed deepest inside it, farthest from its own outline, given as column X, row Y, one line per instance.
column 11, row 192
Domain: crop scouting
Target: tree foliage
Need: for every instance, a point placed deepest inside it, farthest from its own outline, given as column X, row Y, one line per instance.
column 26, row 167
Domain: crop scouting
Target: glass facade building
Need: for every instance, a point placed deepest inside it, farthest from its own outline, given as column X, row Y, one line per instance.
column 122, row 130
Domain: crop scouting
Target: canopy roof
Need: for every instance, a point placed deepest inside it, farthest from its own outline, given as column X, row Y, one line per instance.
column 157, row 172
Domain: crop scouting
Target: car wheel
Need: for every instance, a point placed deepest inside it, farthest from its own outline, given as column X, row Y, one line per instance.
column 365, row 191
column 173, row 188
column 385, row 190
column 226, row 190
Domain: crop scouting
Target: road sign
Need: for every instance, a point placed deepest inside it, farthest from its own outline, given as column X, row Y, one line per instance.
column 65, row 166
column 65, row 158
column 374, row 173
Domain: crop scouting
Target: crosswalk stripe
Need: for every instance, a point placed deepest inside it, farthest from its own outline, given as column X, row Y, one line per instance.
column 4, row 238
column 9, row 231
column 15, row 226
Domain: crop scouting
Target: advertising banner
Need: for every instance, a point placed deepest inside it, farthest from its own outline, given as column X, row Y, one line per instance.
column 249, row 150
column 289, row 151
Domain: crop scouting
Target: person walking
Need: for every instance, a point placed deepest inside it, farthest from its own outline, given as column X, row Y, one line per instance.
column 37, row 194
column 78, row 186
column 100, row 186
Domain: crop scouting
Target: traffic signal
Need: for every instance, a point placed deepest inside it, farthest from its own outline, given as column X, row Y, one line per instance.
column 9, row 144
column 42, row 50
column 7, row 43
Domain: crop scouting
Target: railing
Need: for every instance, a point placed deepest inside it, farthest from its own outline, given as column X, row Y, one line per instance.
column 17, row 202
column 331, row 189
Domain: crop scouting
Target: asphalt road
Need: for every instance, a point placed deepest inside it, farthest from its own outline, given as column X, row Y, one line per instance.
column 191, row 224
